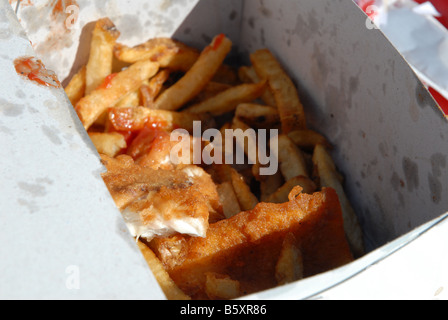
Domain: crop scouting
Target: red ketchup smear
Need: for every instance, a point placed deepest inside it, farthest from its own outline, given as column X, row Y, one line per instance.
column 219, row 39
column 139, row 133
column 123, row 119
column 34, row 70
column 107, row 83
column 146, row 139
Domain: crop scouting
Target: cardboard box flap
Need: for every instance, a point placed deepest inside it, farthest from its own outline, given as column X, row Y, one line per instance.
column 62, row 235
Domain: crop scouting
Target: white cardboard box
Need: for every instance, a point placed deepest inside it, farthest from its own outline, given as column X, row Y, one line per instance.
column 66, row 240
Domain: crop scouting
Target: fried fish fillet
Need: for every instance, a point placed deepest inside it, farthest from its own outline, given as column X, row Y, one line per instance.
column 157, row 202
column 247, row 246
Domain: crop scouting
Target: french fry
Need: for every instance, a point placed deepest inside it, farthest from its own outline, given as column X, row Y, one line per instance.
column 192, row 83
column 329, row 177
column 169, row 288
column 224, row 173
column 248, row 75
column 289, row 266
column 292, row 161
column 221, row 286
column 281, row 195
column 100, row 62
column 308, row 139
column 76, row 88
column 136, row 118
column 109, row 144
column 228, row 199
column 132, row 99
column 228, row 100
column 226, row 75
column 246, row 198
column 211, row 89
column 172, row 55
column 287, row 100
column 150, row 91
column 169, row 53
column 269, row 185
column 250, row 148
column 220, row 173
column 258, row 116
column 105, row 96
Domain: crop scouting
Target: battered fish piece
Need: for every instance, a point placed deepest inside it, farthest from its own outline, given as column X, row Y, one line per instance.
column 157, row 202
column 247, row 246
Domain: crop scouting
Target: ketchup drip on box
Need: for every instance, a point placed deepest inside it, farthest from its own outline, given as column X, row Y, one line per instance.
column 34, row 70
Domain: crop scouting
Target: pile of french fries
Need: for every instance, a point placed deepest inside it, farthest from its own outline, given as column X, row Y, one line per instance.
column 165, row 83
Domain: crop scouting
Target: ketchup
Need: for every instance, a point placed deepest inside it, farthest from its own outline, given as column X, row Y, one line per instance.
column 219, row 39
column 107, row 83
column 34, row 70
column 146, row 139
column 123, row 119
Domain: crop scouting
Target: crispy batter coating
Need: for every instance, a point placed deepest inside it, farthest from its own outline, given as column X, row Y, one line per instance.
column 247, row 246
column 166, row 201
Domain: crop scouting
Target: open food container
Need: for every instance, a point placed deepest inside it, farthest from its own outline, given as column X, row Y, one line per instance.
column 64, row 238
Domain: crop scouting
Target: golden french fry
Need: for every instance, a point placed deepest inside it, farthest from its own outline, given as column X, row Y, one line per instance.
column 258, row 116
column 135, row 118
column 269, row 185
column 172, row 55
column 76, row 88
column 192, row 83
column 210, row 90
column 308, row 139
column 228, row 100
column 291, row 159
column 227, row 153
column 330, row 178
column 248, row 75
column 228, row 199
column 151, row 90
column 289, row 267
column 281, row 195
column 221, row 286
column 169, row 53
column 226, row 75
column 287, row 100
column 247, row 140
column 132, row 99
column 100, row 62
column 222, row 173
column 169, row 288
column 93, row 105
column 109, row 144
column 246, row 198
